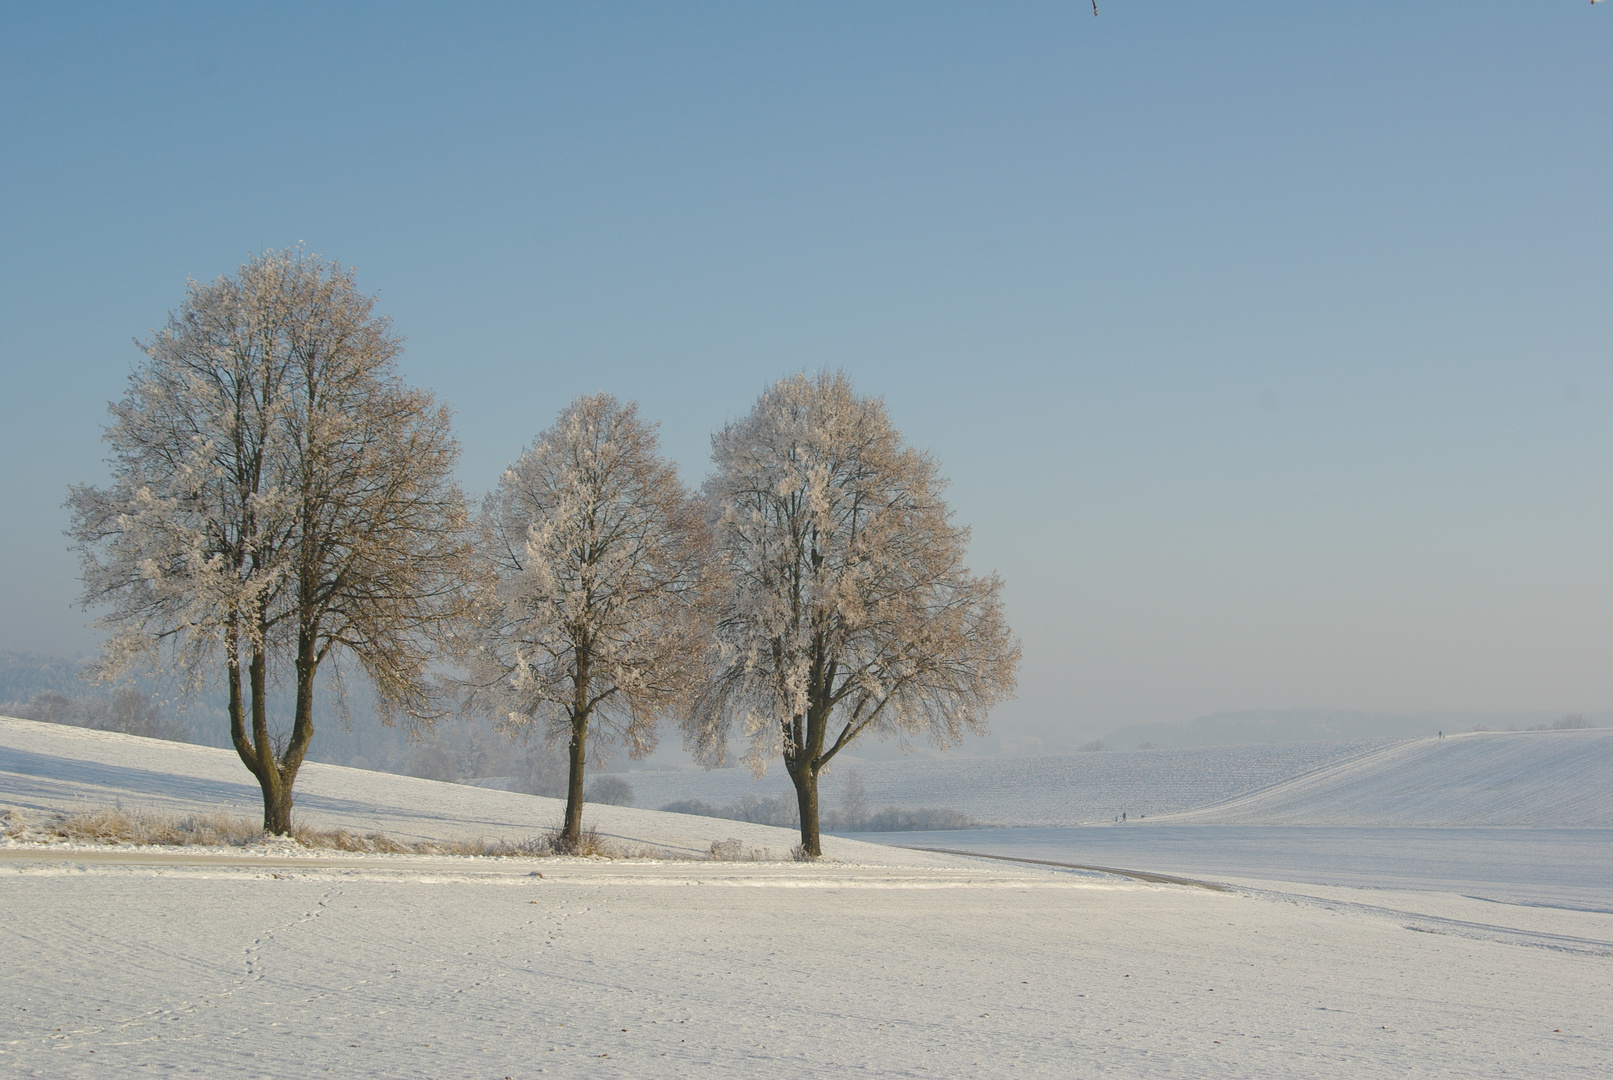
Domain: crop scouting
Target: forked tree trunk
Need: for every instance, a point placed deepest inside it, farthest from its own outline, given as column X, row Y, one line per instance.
column 275, row 777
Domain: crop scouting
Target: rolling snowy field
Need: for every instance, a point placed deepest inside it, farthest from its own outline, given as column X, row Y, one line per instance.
column 1522, row 817
column 277, row 963
column 1051, row 791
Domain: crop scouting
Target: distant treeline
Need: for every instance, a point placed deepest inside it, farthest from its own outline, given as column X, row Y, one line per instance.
column 127, row 709
column 849, row 817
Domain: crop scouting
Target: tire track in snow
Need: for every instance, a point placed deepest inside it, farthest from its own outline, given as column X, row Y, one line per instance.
column 1439, row 924
column 1135, row 875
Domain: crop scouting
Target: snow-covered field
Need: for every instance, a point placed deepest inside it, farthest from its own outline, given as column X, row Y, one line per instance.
column 880, row 961
column 1050, row 791
column 1518, row 817
column 1522, row 778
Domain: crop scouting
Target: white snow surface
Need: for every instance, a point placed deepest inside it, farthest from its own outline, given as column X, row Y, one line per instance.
column 275, row 963
column 51, row 767
column 1524, row 778
column 1049, row 791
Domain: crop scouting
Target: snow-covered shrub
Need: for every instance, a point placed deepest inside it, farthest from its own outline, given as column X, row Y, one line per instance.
column 730, row 850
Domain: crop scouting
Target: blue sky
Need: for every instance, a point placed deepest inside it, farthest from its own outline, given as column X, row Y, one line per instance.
column 1269, row 347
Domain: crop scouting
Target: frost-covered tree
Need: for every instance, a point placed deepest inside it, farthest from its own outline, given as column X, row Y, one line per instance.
column 847, row 608
column 592, row 616
column 279, row 497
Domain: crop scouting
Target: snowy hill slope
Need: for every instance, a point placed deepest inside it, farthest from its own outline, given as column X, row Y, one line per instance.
column 1527, row 778
column 51, row 767
column 1048, row 791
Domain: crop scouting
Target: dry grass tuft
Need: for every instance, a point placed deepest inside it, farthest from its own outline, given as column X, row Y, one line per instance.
column 589, row 843
column 343, row 840
column 114, row 825
column 531, row 847
column 736, row 850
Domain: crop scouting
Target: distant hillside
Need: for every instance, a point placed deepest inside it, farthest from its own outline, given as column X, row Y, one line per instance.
column 456, row 749
column 1324, row 725
column 1529, row 778
column 25, row 674
column 1050, row 790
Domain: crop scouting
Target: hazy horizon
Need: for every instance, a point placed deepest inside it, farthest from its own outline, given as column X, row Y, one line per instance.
column 1267, row 349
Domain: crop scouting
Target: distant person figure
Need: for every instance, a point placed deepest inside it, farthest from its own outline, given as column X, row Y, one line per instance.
column 1442, row 733
column 1122, row 817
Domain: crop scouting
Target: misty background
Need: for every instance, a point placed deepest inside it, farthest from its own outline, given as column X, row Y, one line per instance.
column 1266, row 346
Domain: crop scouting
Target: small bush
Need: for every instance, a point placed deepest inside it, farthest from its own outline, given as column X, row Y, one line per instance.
column 735, row 850
column 1571, row 722
column 589, row 842
column 530, row 848
column 697, row 807
column 730, row 850
column 433, row 760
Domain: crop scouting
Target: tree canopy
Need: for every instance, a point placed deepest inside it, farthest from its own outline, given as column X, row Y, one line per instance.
column 846, row 608
column 279, row 496
column 592, row 610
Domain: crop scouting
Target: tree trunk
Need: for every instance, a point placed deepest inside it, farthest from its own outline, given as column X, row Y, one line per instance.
column 806, row 797
column 571, row 834
column 277, row 810
column 263, row 765
column 275, row 775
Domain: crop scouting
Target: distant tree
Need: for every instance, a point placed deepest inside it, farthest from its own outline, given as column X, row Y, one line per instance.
column 280, row 497
column 544, row 771
column 48, row 707
column 592, row 618
column 610, row 790
column 846, row 608
column 434, row 759
column 130, row 711
column 854, row 800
